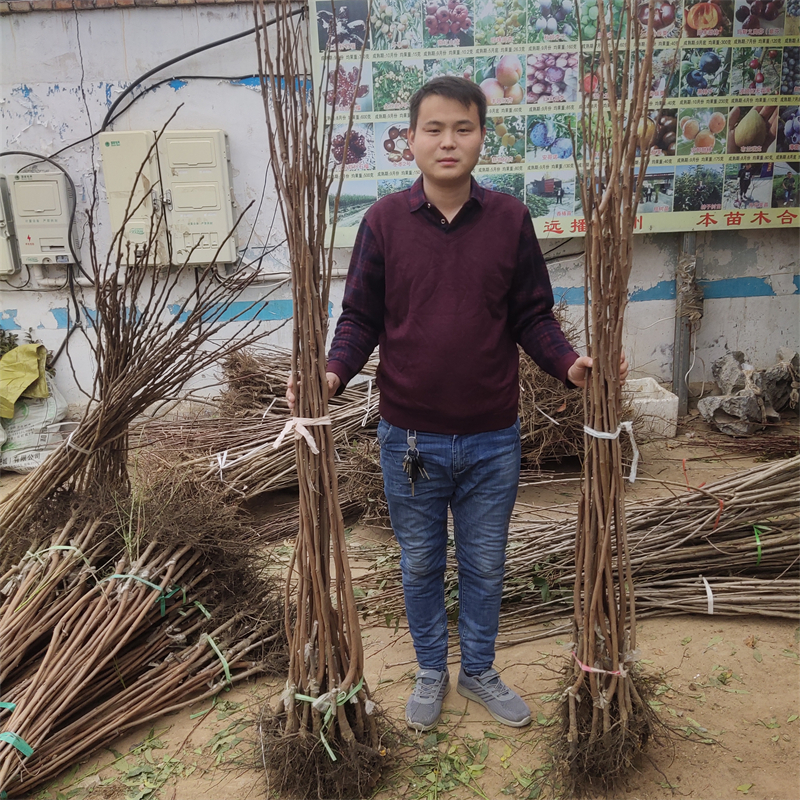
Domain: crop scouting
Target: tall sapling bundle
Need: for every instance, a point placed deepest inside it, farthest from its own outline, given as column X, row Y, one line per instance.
column 607, row 721
column 324, row 742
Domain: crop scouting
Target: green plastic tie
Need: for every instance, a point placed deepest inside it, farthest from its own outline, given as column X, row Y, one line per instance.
column 135, row 578
column 164, row 597
column 341, row 699
column 161, row 599
column 756, row 533
column 221, row 658
column 202, row 608
column 17, row 741
column 9, row 706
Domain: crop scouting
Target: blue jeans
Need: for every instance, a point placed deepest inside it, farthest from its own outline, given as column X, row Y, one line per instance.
column 477, row 476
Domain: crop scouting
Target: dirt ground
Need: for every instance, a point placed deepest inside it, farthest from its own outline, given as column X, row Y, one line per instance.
column 730, row 688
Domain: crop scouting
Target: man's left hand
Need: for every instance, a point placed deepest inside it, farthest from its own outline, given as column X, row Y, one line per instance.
column 578, row 373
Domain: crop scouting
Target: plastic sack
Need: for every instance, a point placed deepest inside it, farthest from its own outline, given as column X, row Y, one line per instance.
column 22, row 374
column 33, row 432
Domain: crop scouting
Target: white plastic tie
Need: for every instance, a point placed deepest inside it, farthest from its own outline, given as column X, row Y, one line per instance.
column 369, row 401
column 325, row 701
column 287, row 697
column 369, row 707
column 628, row 426
column 300, row 427
column 709, row 595
column 547, row 416
column 74, row 446
column 222, row 461
column 269, row 407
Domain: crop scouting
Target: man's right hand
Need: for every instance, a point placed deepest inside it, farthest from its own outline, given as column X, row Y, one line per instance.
column 333, row 386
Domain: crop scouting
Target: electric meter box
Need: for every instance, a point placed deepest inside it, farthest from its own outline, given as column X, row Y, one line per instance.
column 186, row 176
column 9, row 257
column 130, row 168
column 42, row 204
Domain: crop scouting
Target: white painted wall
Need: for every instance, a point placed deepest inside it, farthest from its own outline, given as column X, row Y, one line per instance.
column 61, row 71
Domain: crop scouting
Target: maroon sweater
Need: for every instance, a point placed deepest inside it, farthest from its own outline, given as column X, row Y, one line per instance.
column 448, row 303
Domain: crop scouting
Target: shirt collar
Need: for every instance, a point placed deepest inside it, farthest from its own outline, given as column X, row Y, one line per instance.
column 417, row 199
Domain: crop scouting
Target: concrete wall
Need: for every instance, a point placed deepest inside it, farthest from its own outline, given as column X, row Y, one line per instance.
column 62, row 70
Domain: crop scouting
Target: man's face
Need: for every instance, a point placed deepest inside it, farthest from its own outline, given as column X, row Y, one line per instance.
column 447, row 140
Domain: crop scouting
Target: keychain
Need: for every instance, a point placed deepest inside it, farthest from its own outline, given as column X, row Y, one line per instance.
column 412, row 461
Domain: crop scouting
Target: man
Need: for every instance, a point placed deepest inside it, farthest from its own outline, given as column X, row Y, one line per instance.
column 788, row 189
column 745, row 176
column 448, row 277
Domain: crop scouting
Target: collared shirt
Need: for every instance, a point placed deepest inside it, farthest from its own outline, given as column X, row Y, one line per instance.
column 448, row 302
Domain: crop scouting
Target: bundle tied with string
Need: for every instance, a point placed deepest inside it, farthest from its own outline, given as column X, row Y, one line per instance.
column 323, row 739
column 606, row 720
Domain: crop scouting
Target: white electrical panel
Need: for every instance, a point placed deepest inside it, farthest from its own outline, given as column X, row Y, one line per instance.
column 188, row 178
column 9, row 257
column 42, row 203
column 130, row 167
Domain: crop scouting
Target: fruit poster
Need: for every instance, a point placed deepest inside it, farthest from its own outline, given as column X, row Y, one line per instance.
column 723, row 130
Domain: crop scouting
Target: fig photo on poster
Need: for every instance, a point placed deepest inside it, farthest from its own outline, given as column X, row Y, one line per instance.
column 352, row 88
column 755, row 71
column 708, row 18
column 752, row 129
column 512, row 183
column 698, row 187
column 397, row 24
column 499, row 22
column 504, row 142
column 748, row 185
column 702, row 131
column 502, row 79
column 705, row 72
column 552, row 77
column 448, row 23
column 789, row 130
column 759, row 18
column 550, row 192
column 786, row 184
column 356, row 197
column 342, row 24
column 553, row 21
column 658, row 190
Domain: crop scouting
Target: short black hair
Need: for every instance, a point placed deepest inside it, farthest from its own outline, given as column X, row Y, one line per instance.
column 464, row 91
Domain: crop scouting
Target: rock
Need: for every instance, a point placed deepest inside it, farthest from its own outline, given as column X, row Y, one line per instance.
column 737, row 415
column 780, row 381
column 727, row 372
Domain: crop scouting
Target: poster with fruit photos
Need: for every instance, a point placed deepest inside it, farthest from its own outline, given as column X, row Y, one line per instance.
column 723, row 130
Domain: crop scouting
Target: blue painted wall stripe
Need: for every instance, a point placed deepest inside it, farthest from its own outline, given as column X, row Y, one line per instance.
column 573, row 296
column 736, row 287
column 663, row 290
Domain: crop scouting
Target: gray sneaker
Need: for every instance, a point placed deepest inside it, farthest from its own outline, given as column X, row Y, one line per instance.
column 504, row 704
column 425, row 704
